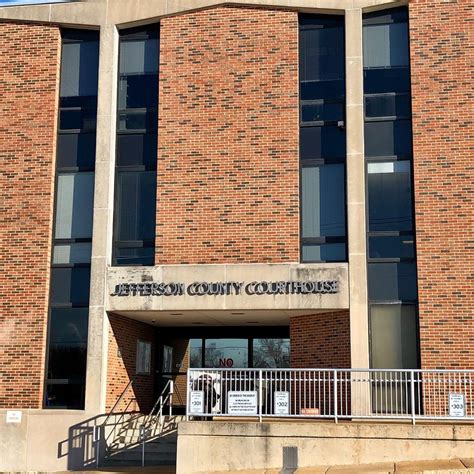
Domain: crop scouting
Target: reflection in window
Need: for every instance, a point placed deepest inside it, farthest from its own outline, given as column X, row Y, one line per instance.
column 394, row 336
column 322, row 138
column 271, row 353
column 72, row 243
column 226, row 353
column 137, row 122
column 392, row 280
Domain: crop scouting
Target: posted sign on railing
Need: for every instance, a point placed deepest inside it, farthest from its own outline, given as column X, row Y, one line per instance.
column 242, row 403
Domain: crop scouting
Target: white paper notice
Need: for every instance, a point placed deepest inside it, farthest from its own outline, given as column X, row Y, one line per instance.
column 242, row 403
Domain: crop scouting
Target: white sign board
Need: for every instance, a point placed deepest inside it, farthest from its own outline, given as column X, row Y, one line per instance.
column 282, row 403
column 13, row 416
column 196, row 402
column 242, row 403
column 457, row 405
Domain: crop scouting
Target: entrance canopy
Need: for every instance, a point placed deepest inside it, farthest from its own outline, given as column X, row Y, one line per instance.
column 226, row 295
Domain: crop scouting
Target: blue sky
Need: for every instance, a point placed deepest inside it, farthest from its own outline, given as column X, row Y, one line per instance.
column 26, row 2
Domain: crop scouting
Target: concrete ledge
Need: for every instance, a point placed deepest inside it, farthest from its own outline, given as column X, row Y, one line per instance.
column 322, row 447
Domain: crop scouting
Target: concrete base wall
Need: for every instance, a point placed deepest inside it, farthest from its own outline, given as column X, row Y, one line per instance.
column 46, row 440
column 225, row 446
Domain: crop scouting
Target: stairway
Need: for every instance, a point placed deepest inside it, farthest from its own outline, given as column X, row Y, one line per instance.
column 125, row 448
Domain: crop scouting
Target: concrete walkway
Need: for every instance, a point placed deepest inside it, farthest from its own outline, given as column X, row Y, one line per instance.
column 451, row 466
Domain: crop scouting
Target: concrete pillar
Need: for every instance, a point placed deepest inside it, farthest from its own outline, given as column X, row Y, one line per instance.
column 96, row 376
column 356, row 191
column 356, row 203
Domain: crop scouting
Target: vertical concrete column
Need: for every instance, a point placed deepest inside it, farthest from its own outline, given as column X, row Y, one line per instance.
column 356, row 191
column 103, row 220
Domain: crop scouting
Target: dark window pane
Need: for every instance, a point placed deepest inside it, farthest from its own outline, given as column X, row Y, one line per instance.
column 323, row 201
column 386, row 80
column 389, row 138
column 65, row 395
column 134, row 256
column 76, row 150
column 394, row 342
column 322, row 112
column 271, row 353
column 70, row 285
column 138, row 91
column 138, row 120
column 313, row 90
column 322, row 142
column 322, row 53
column 390, row 191
column 137, row 149
column 392, row 282
column 387, row 106
column 324, row 253
column 77, row 119
column 136, row 205
column 68, row 343
column 399, row 246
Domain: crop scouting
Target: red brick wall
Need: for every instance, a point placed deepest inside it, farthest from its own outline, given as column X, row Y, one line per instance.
column 121, row 368
column 442, row 85
column 321, row 340
column 228, row 166
column 29, row 65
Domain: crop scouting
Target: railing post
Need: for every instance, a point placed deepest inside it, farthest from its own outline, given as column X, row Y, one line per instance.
column 412, row 395
column 335, row 395
column 97, row 444
column 188, row 378
column 171, row 397
column 142, row 436
column 260, row 395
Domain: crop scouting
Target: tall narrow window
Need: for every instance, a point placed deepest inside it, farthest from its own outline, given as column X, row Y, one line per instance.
column 322, row 138
column 392, row 283
column 135, row 184
column 72, row 234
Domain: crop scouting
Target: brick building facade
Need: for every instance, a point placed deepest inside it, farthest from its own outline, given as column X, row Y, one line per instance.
column 218, row 161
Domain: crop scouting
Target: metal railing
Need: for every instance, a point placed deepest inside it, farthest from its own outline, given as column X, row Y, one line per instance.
column 331, row 393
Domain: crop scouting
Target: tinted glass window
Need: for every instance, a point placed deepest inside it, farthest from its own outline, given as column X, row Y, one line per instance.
column 323, row 53
column 390, row 206
column 195, row 357
column 74, row 205
column 269, row 353
column 136, row 206
column 139, row 56
column 70, row 285
column 134, row 255
column 226, row 353
column 392, row 282
column 70, row 395
column 323, row 201
column 400, row 246
column 79, row 68
column 76, row 150
column 69, row 254
column 138, row 91
column 386, row 45
column 137, row 149
column 68, row 343
column 389, row 105
column 322, row 142
column 324, row 252
column 386, row 80
column 322, row 112
column 393, row 337
column 389, row 138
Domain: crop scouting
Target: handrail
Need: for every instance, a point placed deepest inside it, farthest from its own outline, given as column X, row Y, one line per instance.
column 111, row 412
